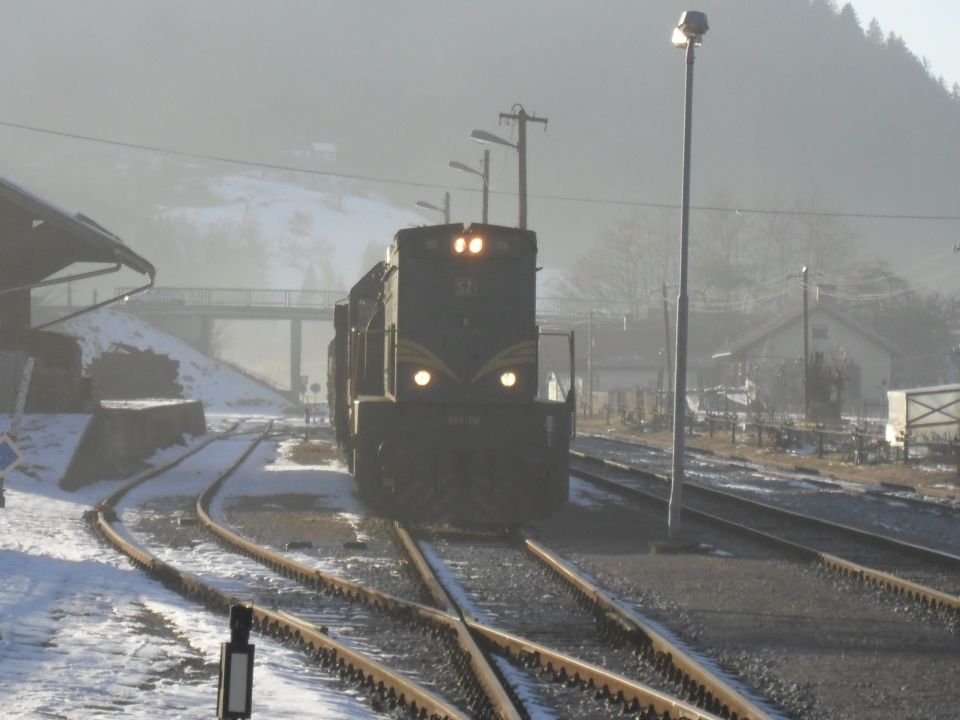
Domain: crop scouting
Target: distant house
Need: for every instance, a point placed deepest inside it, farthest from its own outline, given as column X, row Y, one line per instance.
column 627, row 354
column 769, row 360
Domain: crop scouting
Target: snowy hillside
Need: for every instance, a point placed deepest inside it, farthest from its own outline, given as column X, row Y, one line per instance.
column 339, row 232
column 221, row 388
column 342, row 234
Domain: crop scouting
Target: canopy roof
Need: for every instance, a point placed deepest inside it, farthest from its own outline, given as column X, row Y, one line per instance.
column 39, row 239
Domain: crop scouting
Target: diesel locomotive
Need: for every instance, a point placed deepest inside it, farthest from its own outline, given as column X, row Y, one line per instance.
column 433, row 381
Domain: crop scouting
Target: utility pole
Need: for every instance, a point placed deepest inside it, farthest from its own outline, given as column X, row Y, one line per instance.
column 446, row 208
column 521, row 116
column 590, row 365
column 486, row 184
column 806, row 348
column 666, row 335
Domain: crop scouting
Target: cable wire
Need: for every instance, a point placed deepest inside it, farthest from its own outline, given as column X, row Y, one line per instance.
column 447, row 186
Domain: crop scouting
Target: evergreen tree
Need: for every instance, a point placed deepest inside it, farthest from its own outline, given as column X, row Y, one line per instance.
column 849, row 18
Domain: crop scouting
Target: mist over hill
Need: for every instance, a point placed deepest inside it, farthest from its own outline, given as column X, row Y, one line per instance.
column 796, row 107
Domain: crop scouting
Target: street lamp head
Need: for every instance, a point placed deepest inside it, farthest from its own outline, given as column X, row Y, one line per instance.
column 692, row 27
column 427, row 206
column 482, row 136
column 463, row 168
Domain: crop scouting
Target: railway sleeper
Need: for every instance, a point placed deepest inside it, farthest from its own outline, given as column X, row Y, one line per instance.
column 330, row 659
column 880, row 584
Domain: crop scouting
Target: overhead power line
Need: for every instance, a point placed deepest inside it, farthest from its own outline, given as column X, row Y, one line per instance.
column 446, row 186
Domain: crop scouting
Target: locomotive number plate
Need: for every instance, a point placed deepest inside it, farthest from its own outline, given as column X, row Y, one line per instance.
column 463, row 420
column 464, row 287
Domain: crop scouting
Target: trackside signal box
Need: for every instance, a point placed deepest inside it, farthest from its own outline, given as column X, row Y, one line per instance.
column 235, row 691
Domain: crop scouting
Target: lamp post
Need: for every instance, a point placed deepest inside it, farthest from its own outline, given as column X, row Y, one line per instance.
column 430, row 206
column 482, row 136
column 522, row 118
column 484, row 175
column 688, row 34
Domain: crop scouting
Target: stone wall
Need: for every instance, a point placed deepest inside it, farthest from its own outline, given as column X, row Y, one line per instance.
column 122, row 435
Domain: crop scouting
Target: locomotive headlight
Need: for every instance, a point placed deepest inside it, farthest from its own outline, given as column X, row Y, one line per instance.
column 508, row 379
column 422, row 378
column 459, row 245
column 476, row 245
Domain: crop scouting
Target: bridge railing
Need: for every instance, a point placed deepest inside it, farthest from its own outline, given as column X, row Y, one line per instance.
column 325, row 299
column 581, row 307
column 237, row 297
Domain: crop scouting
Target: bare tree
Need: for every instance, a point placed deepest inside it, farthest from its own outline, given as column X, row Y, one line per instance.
column 629, row 262
column 722, row 258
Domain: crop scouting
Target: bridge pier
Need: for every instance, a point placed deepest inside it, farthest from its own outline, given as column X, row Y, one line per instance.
column 296, row 351
column 205, row 344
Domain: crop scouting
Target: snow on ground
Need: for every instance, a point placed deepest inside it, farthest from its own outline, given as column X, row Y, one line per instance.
column 84, row 634
column 221, row 388
column 47, row 443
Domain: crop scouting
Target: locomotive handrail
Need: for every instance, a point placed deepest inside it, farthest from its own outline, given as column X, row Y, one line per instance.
column 571, row 391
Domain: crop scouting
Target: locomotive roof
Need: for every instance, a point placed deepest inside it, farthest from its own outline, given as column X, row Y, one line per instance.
column 406, row 234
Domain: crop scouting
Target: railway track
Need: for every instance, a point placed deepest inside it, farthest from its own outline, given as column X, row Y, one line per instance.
column 487, row 693
column 928, row 576
column 498, row 662
column 386, row 687
column 879, row 508
column 504, row 700
column 594, row 643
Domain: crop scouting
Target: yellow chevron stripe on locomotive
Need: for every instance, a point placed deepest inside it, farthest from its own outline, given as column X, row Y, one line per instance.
column 512, row 356
column 410, row 351
column 521, row 353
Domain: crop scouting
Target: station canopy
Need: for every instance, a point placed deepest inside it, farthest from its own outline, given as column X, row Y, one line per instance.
column 38, row 240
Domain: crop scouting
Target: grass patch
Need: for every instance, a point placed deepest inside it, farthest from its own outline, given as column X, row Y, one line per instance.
column 315, row 452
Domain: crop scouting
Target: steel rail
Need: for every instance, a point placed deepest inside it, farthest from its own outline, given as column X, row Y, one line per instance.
column 483, row 674
column 446, row 617
column 926, row 553
column 744, row 463
column 648, row 697
column 483, row 671
column 635, row 696
column 306, row 574
column 283, row 626
column 351, row 663
column 632, row 694
column 117, row 495
column 720, row 695
column 917, row 592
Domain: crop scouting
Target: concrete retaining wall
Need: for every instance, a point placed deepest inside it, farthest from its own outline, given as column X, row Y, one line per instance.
column 122, row 435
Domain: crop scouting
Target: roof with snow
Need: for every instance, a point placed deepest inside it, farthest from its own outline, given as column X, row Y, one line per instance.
column 39, row 239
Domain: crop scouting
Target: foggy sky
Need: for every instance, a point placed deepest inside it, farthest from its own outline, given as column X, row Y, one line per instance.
column 782, row 114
